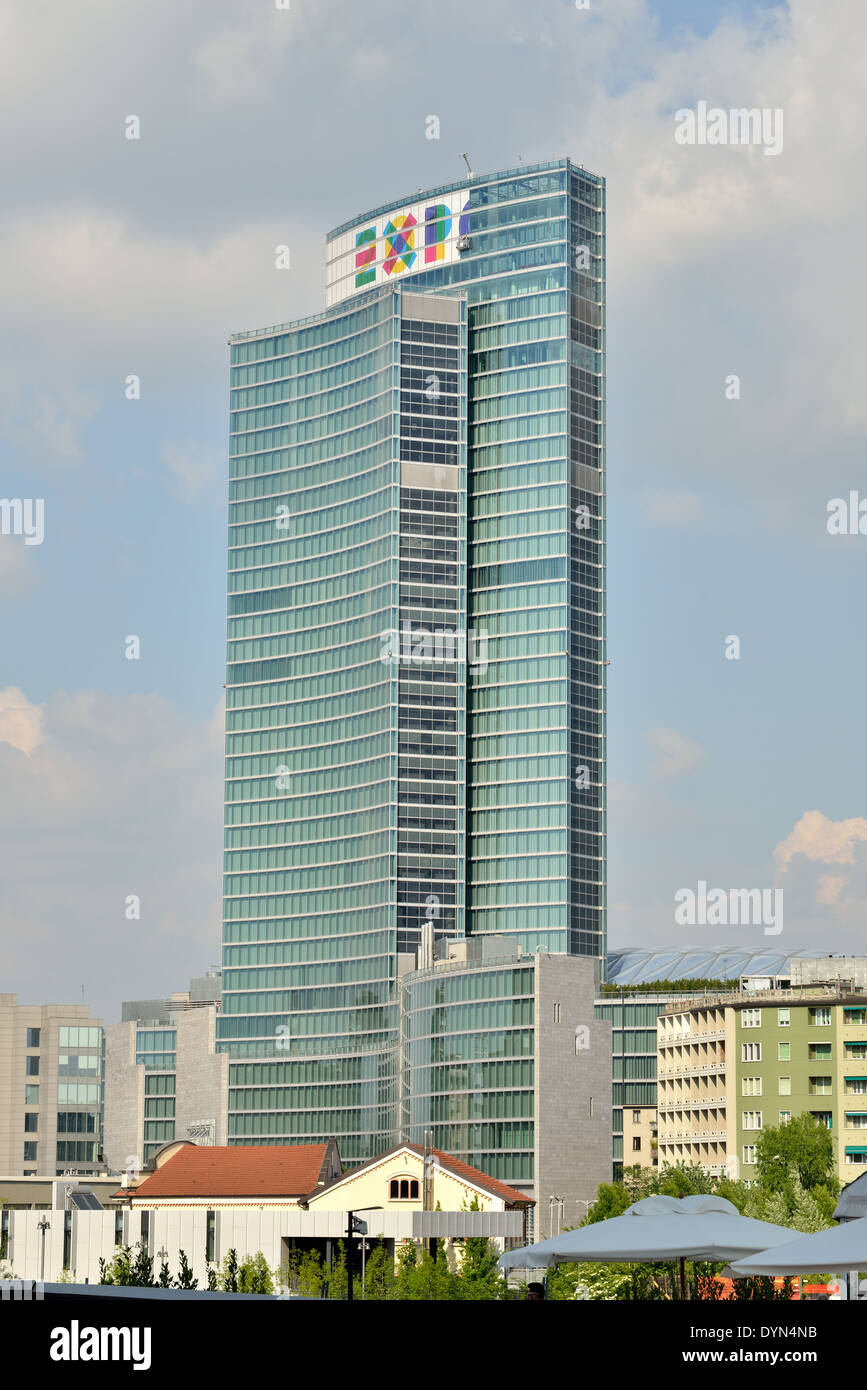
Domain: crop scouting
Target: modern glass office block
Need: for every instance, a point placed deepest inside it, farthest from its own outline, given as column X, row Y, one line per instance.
column 468, row 1045
column 527, row 250
column 416, row 634
column 345, row 770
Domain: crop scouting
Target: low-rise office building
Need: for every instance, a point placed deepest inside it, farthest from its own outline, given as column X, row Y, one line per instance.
column 505, row 1066
column 51, row 1089
column 164, row 1078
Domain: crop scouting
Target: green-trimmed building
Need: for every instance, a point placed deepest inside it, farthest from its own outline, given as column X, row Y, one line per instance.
column 733, row 1065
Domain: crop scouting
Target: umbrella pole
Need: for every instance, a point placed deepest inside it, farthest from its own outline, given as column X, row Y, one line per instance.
column 683, row 1276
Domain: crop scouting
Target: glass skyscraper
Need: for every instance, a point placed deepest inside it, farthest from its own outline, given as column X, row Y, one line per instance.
column 416, row 634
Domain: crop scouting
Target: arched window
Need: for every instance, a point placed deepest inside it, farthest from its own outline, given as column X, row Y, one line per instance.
column 403, row 1189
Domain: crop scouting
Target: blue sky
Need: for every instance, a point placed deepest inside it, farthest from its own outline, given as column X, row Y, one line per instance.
column 261, row 127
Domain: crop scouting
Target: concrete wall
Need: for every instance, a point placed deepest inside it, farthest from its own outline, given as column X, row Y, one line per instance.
column 124, row 1097
column 202, row 1075
column 201, row 1085
column 807, row 971
column 247, row 1229
column 573, row 1090
column 92, row 1237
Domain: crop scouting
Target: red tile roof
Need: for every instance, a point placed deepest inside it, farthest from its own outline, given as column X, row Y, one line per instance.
column 274, row 1170
column 476, row 1176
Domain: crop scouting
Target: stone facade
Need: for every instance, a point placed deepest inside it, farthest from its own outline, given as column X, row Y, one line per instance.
column 573, row 1093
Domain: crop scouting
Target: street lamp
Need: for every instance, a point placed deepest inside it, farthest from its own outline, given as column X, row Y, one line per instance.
column 354, row 1227
column 559, row 1202
column 42, row 1226
column 364, row 1244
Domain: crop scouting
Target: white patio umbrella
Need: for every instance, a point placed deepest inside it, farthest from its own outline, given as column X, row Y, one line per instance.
column 657, row 1229
column 840, row 1248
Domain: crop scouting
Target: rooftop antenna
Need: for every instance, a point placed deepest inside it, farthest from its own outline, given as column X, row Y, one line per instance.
column 465, row 157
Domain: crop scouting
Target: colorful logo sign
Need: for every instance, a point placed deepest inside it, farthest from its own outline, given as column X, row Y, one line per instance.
column 399, row 243
column 414, row 237
column 366, row 257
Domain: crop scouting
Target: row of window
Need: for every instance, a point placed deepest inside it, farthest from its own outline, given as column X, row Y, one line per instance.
column 255, row 913
column 78, row 1093
column 818, row 1017
column 816, row 1052
column 298, row 976
column 272, row 945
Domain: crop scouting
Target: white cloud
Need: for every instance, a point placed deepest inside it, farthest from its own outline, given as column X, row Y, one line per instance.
column 678, row 755
column 139, row 302
column 20, row 721
column 823, row 866
column 822, row 840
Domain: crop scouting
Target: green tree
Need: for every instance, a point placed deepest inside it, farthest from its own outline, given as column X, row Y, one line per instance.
column 805, row 1143
column 762, row 1205
column 185, row 1278
column 143, row 1267
column 379, row 1279
column 407, row 1258
column 589, row 1281
column 165, row 1280
column 227, row 1280
column 807, row 1214
column 760, row 1288
column 479, row 1275
column 685, row 1179
column 423, row 1277
column 254, row 1275
column 338, row 1282
column 826, row 1199
column 734, row 1191
column 434, row 1281
column 303, row 1272
column 612, row 1199
column 118, row 1270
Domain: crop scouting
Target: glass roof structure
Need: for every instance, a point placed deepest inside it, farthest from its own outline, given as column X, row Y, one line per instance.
column 634, row 966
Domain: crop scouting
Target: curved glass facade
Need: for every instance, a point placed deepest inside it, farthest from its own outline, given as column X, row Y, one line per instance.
column 469, row 1072
column 426, row 457
column 533, row 275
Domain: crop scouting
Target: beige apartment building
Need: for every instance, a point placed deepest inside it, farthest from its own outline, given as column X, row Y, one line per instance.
column 732, row 1065
column 640, row 1136
column 51, row 1089
column 695, row 1044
